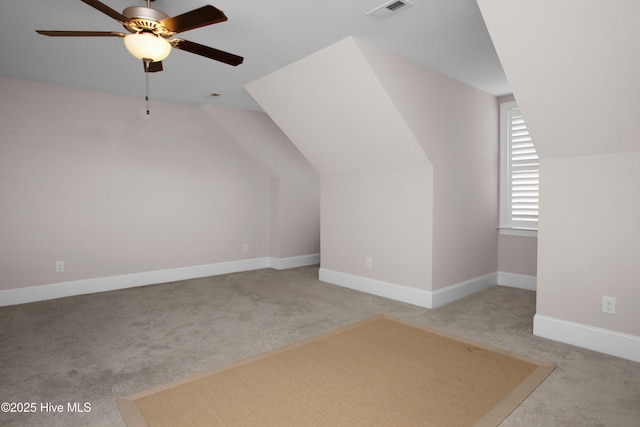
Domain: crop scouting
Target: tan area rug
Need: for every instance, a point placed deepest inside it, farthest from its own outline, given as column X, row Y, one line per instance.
column 380, row 371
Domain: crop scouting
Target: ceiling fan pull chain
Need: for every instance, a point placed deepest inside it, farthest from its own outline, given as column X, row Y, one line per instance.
column 146, row 97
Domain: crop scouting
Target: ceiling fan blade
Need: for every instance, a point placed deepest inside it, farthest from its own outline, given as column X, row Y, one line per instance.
column 206, row 15
column 152, row 67
column 107, row 10
column 80, row 33
column 208, row 52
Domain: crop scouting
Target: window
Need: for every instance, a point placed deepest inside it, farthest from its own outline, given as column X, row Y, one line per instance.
column 518, row 174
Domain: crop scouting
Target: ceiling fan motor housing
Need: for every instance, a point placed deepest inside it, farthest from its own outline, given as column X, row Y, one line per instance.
column 146, row 19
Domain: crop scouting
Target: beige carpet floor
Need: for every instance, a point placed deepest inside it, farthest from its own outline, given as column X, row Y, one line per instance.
column 102, row 347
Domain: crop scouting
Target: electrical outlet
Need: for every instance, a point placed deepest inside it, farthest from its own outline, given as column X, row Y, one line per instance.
column 59, row 266
column 368, row 262
column 608, row 305
column 245, row 247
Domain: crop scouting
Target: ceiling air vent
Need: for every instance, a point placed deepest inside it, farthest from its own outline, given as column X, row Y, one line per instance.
column 388, row 9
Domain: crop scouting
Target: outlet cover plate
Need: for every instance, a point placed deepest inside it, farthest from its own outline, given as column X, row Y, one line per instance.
column 608, row 305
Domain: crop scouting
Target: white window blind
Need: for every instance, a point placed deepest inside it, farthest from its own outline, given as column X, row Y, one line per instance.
column 519, row 177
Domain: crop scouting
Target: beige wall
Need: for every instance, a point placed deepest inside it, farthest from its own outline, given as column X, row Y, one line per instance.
column 578, row 87
column 295, row 184
column 457, row 127
column 518, row 254
column 89, row 179
column 590, row 240
column 372, row 124
column 381, row 215
column 376, row 180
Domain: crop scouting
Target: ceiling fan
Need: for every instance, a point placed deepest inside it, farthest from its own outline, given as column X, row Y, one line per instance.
column 151, row 31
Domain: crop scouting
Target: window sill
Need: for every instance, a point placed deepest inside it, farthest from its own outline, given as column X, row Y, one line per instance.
column 523, row 232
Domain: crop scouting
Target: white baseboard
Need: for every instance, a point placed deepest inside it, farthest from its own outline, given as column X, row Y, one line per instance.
column 392, row 291
column 463, row 289
column 111, row 283
column 590, row 337
column 295, row 261
column 419, row 297
column 520, row 281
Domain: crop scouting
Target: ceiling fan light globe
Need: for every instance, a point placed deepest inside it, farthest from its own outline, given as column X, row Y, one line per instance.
column 147, row 46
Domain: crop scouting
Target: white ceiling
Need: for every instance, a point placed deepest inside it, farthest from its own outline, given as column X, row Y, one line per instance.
column 448, row 36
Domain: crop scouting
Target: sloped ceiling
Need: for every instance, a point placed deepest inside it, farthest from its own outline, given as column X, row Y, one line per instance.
column 574, row 68
column 333, row 107
column 256, row 133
